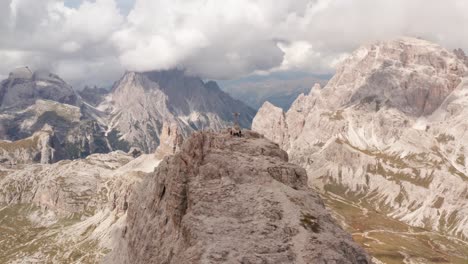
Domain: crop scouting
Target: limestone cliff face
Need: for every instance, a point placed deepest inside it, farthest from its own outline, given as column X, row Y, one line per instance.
column 411, row 75
column 39, row 148
column 271, row 120
column 387, row 131
column 224, row 199
column 170, row 141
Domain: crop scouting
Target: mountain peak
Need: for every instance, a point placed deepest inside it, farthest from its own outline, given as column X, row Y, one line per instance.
column 409, row 74
column 144, row 101
column 23, row 87
column 225, row 199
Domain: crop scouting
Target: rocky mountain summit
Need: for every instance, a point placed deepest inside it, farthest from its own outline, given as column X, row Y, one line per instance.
column 225, row 199
column 23, row 88
column 411, row 75
column 220, row 199
column 140, row 103
column 386, row 134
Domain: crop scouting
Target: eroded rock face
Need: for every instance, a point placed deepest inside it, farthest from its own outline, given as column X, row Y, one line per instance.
column 461, row 55
column 387, row 131
column 39, row 148
column 170, row 141
column 225, row 199
column 412, row 75
column 272, row 120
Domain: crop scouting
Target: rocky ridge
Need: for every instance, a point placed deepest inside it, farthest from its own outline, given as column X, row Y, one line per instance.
column 224, row 199
column 386, row 133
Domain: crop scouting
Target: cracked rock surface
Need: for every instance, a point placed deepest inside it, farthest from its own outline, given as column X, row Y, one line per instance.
column 225, row 199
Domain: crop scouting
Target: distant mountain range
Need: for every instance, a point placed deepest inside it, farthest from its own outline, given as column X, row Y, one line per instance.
column 140, row 103
column 99, row 121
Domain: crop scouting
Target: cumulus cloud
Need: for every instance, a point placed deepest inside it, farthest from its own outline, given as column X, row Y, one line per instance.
column 223, row 39
column 96, row 41
column 69, row 41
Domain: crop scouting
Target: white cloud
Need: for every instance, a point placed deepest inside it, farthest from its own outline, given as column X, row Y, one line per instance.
column 298, row 55
column 47, row 34
column 212, row 38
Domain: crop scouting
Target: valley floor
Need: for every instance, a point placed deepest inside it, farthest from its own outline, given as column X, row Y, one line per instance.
column 393, row 242
column 22, row 240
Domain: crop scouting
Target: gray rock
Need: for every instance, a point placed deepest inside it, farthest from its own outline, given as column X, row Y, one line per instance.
column 225, row 199
column 135, row 152
column 461, row 55
column 170, row 141
column 39, row 148
column 23, row 88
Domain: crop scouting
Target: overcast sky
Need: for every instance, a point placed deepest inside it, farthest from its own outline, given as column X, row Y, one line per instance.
column 95, row 41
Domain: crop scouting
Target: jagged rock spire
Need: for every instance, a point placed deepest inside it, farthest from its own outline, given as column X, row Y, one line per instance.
column 170, row 140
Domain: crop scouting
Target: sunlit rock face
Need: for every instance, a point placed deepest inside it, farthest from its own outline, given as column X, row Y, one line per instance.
column 170, row 141
column 387, row 131
column 225, row 199
column 272, row 121
column 411, row 75
column 140, row 103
